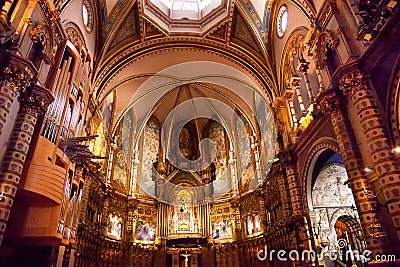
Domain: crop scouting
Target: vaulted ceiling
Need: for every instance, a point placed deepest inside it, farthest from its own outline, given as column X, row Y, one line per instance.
column 135, row 40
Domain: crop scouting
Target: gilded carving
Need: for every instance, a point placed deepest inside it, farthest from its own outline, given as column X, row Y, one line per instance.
column 17, row 75
column 352, row 82
column 76, row 37
column 325, row 40
column 42, row 33
column 294, row 49
column 35, row 99
column 330, row 102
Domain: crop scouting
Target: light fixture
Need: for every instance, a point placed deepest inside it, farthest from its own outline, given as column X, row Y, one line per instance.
column 10, row 40
column 370, row 194
column 396, row 149
column 376, row 230
column 366, row 169
column 317, row 229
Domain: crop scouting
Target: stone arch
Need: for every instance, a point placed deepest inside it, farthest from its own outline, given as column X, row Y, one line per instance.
column 294, row 47
column 124, row 63
column 44, row 35
column 394, row 104
column 317, row 149
column 326, row 45
column 75, row 36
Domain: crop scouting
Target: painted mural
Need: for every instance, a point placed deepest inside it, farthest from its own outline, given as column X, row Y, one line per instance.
column 222, row 229
column 217, row 134
column 267, row 128
column 246, row 172
column 121, row 166
column 253, row 224
column 151, row 143
column 145, row 231
column 114, row 226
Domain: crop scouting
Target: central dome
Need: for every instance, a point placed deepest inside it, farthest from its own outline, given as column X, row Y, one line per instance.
column 186, row 15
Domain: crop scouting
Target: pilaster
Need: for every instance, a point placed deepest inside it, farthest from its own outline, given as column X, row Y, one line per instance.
column 288, row 162
column 333, row 104
column 369, row 115
column 34, row 102
column 14, row 78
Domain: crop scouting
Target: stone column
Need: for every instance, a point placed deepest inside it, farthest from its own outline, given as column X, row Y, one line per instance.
column 295, row 83
column 84, row 198
column 289, row 97
column 288, row 162
column 13, row 78
column 4, row 11
column 303, row 68
column 333, row 104
column 296, row 222
column 34, row 102
column 370, row 118
column 283, row 190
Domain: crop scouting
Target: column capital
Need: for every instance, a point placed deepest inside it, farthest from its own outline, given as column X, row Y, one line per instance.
column 286, row 157
column 295, row 81
column 303, row 65
column 331, row 101
column 352, row 82
column 289, row 93
column 18, row 73
column 35, row 99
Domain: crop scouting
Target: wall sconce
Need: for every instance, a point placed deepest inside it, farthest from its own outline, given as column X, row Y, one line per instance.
column 370, row 194
column 10, row 40
column 317, row 233
column 317, row 229
column 376, row 230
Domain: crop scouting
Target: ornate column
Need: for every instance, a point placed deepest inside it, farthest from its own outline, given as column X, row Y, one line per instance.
column 4, row 11
column 289, row 97
column 34, row 102
column 295, row 83
column 333, row 105
column 162, row 220
column 320, row 80
column 303, row 68
column 14, row 77
column 283, row 190
column 288, row 162
column 370, row 118
column 84, row 198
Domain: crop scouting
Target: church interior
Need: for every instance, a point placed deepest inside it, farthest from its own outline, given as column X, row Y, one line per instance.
column 199, row 133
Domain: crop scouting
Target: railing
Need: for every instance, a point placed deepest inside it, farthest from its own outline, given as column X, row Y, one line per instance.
column 374, row 15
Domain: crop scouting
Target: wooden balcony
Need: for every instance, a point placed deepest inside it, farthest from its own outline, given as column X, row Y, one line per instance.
column 44, row 176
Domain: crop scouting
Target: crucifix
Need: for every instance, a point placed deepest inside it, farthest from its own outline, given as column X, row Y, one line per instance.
column 186, row 254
